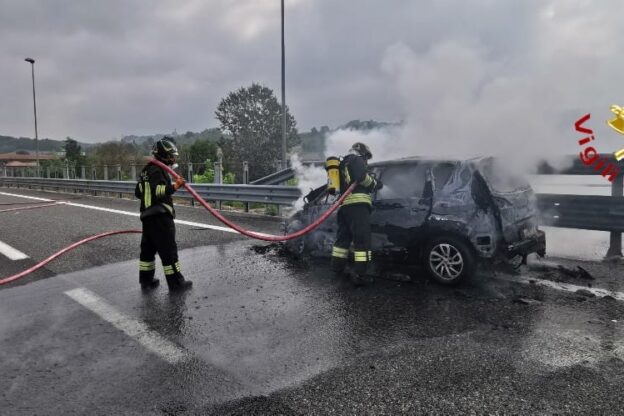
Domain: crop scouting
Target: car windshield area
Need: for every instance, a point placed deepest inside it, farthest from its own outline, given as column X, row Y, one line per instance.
column 403, row 181
column 409, row 181
column 500, row 178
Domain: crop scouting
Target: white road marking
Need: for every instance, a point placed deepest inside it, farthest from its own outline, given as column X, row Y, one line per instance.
column 566, row 287
column 132, row 214
column 27, row 197
column 133, row 328
column 11, row 253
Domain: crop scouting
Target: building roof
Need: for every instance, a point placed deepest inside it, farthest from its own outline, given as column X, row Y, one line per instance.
column 21, row 164
column 28, row 157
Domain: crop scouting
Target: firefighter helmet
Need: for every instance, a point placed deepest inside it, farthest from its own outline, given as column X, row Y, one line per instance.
column 165, row 150
column 362, row 150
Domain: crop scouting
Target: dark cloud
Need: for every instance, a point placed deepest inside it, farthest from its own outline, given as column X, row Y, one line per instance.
column 109, row 68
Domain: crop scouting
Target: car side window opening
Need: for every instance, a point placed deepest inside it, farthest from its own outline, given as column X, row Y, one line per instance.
column 442, row 172
column 403, row 181
column 499, row 178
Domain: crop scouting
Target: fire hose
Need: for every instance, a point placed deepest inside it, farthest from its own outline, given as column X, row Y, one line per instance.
column 252, row 234
column 214, row 212
column 63, row 251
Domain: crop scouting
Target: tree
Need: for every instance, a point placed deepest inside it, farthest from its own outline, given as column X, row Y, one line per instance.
column 253, row 118
column 115, row 153
column 198, row 153
column 73, row 154
column 73, row 151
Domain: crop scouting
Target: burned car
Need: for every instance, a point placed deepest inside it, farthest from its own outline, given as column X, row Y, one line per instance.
column 449, row 215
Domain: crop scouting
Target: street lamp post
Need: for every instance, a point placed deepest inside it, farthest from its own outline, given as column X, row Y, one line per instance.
column 32, row 66
column 284, row 162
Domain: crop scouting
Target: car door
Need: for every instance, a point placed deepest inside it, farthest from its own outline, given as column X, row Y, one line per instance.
column 402, row 206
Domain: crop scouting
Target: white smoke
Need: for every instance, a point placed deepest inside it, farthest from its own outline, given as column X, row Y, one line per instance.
column 459, row 99
column 458, row 104
column 308, row 177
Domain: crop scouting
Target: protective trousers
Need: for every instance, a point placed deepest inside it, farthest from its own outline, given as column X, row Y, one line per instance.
column 158, row 237
column 353, row 226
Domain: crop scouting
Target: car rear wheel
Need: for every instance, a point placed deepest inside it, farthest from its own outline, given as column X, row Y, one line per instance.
column 449, row 260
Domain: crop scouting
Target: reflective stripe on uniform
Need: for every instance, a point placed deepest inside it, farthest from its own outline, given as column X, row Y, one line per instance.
column 370, row 256
column 358, row 199
column 147, row 265
column 177, row 266
column 147, row 195
column 140, row 187
column 168, row 270
column 360, row 256
column 160, row 190
column 367, row 181
column 347, row 177
column 169, row 208
column 340, row 252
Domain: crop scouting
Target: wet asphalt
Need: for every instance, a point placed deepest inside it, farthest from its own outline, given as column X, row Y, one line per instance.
column 267, row 334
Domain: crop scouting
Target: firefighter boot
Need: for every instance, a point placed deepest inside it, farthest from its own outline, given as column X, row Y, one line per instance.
column 358, row 275
column 339, row 259
column 177, row 283
column 147, row 280
column 338, row 266
column 359, row 279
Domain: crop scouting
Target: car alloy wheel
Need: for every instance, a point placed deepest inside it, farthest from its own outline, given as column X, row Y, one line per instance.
column 446, row 261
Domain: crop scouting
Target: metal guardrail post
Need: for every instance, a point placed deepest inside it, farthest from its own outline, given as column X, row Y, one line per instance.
column 218, row 179
column 190, row 179
column 246, row 180
column 83, row 172
column 105, row 172
column 615, row 238
column 119, row 178
column 94, row 177
column 133, row 171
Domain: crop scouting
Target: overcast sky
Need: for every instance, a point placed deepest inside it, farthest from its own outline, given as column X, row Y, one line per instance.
column 484, row 67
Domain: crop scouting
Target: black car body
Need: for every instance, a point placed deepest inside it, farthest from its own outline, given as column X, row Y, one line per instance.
column 446, row 214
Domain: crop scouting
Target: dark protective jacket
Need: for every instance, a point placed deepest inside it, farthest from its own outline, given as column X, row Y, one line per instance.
column 154, row 189
column 353, row 169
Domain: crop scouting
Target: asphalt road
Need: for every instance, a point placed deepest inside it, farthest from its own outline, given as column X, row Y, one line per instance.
column 263, row 334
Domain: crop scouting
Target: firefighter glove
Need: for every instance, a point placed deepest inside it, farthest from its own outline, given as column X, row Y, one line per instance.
column 179, row 183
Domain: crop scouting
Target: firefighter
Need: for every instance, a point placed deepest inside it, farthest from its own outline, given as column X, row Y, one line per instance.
column 154, row 189
column 354, row 215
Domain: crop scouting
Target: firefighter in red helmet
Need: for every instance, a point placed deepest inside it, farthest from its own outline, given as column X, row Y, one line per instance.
column 155, row 188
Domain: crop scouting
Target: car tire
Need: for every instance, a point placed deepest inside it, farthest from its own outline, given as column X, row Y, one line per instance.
column 449, row 260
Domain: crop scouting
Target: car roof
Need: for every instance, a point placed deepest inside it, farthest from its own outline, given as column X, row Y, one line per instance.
column 426, row 159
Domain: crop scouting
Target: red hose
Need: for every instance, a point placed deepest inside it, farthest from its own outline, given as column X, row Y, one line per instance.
column 63, row 251
column 252, row 234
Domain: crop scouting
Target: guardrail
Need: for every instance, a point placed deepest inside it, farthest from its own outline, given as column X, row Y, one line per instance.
column 600, row 213
column 276, row 178
column 267, row 194
column 586, row 212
